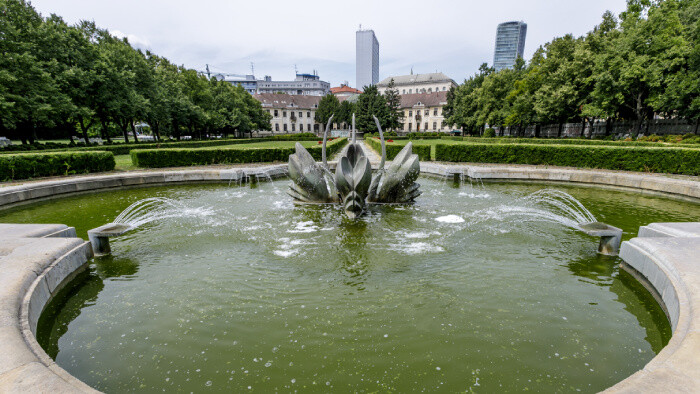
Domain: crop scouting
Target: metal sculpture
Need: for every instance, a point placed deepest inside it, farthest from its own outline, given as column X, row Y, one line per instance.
column 353, row 185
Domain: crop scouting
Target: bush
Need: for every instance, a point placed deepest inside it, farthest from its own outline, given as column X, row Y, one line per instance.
column 569, row 141
column 423, row 151
column 158, row 158
column 667, row 160
column 489, row 133
column 32, row 165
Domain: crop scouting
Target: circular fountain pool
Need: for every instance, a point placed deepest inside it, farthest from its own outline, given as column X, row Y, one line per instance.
column 230, row 288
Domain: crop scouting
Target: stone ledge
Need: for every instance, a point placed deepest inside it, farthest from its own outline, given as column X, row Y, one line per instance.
column 670, row 264
column 33, row 271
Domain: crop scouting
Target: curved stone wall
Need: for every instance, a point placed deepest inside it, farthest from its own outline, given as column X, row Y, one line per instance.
column 38, row 260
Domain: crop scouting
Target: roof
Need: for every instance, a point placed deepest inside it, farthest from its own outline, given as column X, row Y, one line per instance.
column 427, row 99
column 287, row 101
column 350, row 98
column 416, row 79
column 345, row 89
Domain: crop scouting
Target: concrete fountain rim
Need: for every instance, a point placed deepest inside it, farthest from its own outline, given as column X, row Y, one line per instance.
column 46, row 257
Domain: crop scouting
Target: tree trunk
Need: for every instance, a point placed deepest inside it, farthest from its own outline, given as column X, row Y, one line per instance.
column 608, row 126
column 561, row 128
column 105, row 132
column 156, row 131
column 697, row 126
column 537, row 130
column 133, row 130
column 583, row 126
column 640, row 116
column 84, row 128
column 124, row 126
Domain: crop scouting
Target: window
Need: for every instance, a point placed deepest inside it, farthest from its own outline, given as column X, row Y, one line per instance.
column 410, row 113
column 301, row 115
column 430, row 90
column 285, row 127
column 410, row 91
column 308, row 127
column 410, row 126
column 308, row 114
column 426, row 126
column 435, row 112
column 276, row 114
column 293, row 128
column 434, row 125
column 444, row 88
column 427, row 112
column 404, row 91
column 284, row 114
column 277, row 127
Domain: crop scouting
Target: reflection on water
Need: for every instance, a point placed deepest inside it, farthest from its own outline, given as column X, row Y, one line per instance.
column 263, row 294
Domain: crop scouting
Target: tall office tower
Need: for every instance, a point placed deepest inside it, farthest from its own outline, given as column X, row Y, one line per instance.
column 510, row 44
column 366, row 59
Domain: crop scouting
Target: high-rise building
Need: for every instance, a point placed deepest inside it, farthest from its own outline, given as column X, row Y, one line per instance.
column 366, row 59
column 510, row 44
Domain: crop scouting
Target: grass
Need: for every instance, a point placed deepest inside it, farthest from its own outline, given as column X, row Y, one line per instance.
column 123, row 163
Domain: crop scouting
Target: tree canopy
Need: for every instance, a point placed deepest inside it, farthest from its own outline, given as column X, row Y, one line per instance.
column 64, row 80
column 643, row 64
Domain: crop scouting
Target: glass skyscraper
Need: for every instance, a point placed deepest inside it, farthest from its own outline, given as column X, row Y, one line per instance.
column 366, row 59
column 510, row 44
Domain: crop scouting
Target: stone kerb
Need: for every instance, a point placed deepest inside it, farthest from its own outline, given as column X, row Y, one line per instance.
column 665, row 257
column 36, row 262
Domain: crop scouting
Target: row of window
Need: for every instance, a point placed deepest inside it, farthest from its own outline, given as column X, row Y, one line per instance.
column 284, row 114
column 427, row 112
column 429, row 90
column 284, row 127
column 435, row 126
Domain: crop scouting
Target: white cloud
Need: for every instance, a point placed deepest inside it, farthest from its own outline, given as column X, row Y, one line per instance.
column 454, row 37
column 135, row 41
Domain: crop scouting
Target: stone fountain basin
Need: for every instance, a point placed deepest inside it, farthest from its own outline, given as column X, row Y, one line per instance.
column 599, row 229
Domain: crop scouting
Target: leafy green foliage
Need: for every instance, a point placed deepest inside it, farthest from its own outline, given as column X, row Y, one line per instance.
column 644, row 64
column 423, row 151
column 369, row 104
column 664, row 160
column 32, row 165
column 328, row 106
column 158, row 158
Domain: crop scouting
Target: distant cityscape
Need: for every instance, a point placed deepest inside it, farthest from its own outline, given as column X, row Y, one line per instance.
column 293, row 103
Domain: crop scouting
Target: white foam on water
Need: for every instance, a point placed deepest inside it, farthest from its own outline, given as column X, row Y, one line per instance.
column 450, row 219
column 474, row 195
column 304, row 227
column 418, row 248
column 286, row 253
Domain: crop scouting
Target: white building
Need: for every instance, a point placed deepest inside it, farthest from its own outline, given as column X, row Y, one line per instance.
column 510, row 44
column 366, row 59
column 418, row 83
column 423, row 112
column 302, row 85
column 290, row 113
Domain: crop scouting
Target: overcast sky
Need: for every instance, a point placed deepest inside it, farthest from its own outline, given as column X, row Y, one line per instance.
column 454, row 37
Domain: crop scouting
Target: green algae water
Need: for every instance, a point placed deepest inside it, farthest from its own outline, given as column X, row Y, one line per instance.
column 472, row 288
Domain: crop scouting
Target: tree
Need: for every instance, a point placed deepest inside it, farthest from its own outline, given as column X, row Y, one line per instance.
column 327, row 107
column 369, row 104
column 344, row 113
column 393, row 101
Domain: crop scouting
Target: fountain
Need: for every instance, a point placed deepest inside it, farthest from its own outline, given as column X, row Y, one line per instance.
column 353, row 185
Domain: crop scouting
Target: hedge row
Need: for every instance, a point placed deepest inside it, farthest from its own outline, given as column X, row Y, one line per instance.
column 124, row 149
column 423, row 151
column 666, row 160
column 409, row 136
column 32, row 165
column 158, row 158
column 568, row 141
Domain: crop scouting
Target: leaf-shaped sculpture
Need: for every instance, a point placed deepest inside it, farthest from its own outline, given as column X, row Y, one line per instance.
column 353, row 176
column 396, row 184
column 311, row 182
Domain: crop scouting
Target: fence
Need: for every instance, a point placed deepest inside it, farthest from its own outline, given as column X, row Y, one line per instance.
column 600, row 128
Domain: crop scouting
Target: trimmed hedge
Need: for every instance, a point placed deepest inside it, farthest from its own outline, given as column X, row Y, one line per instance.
column 666, row 160
column 124, row 149
column 158, row 158
column 423, row 151
column 568, row 141
column 32, row 165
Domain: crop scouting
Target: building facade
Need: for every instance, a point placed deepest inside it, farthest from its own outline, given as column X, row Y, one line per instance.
column 422, row 112
column 344, row 91
column 366, row 58
column 248, row 82
column 302, row 85
column 290, row 113
column 418, row 83
column 510, row 44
